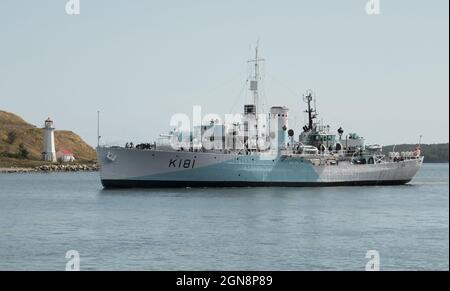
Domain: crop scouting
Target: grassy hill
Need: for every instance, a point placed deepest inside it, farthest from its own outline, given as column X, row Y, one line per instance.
column 434, row 153
column 21, row 143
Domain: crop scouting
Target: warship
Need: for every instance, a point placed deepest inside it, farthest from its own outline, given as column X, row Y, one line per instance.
column 257, row 150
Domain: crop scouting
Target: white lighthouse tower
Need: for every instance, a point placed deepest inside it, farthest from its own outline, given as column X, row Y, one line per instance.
column 49, row 152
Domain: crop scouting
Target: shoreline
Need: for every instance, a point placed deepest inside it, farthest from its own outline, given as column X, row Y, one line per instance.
column 50, row 168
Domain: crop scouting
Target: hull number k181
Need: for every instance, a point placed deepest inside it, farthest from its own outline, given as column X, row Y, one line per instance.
column 180, row 163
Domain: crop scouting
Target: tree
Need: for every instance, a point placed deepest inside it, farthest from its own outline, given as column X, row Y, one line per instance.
column 11, row 137
column 22, row 151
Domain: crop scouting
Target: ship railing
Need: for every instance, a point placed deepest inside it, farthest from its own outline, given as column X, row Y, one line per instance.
column 404, row 156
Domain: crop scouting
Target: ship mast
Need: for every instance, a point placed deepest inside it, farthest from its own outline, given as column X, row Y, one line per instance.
column 311, row 111
column 254, row 79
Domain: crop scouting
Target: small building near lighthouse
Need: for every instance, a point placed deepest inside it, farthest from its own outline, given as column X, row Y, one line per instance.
column 49, row 152
column 65, row 156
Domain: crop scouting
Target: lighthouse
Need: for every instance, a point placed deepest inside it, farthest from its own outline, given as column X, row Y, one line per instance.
column 49, row 152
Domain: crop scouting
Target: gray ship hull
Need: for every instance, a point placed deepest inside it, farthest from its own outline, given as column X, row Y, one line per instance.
column 128, row 168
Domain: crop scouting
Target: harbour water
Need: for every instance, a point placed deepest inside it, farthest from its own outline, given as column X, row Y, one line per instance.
column 42, row 216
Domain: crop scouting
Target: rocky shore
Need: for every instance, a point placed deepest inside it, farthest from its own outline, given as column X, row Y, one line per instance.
column 53, row 168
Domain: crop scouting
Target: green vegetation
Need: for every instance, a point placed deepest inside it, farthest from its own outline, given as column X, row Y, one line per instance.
column 22, row 152
column 21, row 143
column 11, row 137
column 434, row 153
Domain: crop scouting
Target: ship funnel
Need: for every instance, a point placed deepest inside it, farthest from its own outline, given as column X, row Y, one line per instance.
column 279, row 126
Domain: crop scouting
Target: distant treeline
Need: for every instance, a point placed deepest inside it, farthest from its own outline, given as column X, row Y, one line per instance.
column 434, row 153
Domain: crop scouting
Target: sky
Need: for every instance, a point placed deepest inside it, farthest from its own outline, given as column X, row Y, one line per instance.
column 383, row 76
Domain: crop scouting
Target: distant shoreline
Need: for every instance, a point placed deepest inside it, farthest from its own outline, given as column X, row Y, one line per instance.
column 434, row 153
column 51, row 168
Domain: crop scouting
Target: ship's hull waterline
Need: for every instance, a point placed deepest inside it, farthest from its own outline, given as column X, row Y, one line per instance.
column 135, row 168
